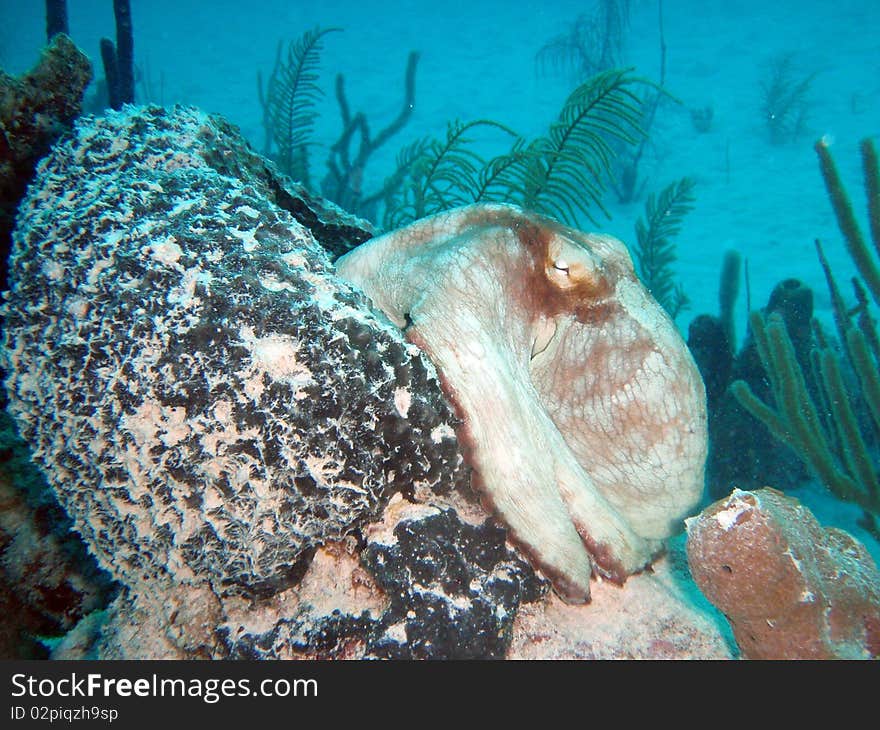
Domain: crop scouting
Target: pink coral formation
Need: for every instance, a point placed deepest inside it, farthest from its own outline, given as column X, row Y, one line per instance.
column 790, row 588
column 582, row 406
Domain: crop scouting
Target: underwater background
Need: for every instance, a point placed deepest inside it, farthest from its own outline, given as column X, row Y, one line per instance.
column 750, row 87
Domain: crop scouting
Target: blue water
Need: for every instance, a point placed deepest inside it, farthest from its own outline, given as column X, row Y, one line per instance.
column 478, row 60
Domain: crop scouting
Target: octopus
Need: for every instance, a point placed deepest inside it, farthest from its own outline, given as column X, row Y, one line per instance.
column 583, row 414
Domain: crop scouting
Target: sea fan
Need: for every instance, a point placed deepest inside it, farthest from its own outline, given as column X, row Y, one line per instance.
column 568, row 169
column 655, row 251
column 445, row 174
column 291, row 96
column 560, row 175
column 592, row 44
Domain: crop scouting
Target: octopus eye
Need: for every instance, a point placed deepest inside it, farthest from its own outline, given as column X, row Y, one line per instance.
column 561, row 265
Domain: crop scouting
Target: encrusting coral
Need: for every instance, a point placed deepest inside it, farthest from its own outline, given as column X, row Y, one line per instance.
column 231, row 405
column 583, row 409
column 790, row 588
column 208, row 400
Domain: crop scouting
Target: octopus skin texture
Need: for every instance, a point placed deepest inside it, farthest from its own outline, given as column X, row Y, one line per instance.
column 582, row 410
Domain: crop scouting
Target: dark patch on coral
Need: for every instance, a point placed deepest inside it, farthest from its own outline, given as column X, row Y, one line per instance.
column 455, row 585
column 454, row 590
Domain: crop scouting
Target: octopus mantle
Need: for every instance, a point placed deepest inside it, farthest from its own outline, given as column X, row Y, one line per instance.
column 583, row 412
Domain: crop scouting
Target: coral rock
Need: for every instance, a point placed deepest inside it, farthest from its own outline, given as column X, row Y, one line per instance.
column 424, row 585
column 267, row 466
column 658, row 614
column 790, row 588
column 207, row 398
column 420, row 583
column 34, row 111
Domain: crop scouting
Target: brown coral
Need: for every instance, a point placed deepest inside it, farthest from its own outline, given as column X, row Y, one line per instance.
column 790, row 588
column 44, row 577
column 34, row 111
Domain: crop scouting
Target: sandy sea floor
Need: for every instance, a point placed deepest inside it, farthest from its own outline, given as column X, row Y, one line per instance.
column 478, row 61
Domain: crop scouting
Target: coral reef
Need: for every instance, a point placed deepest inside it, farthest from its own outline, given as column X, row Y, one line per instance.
column 432, row 579
column 227, row 467
column 790, row 588
column 418, row 584
column 234, row 420
column 35, row 110
column 425, row 586
column 583, row 411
